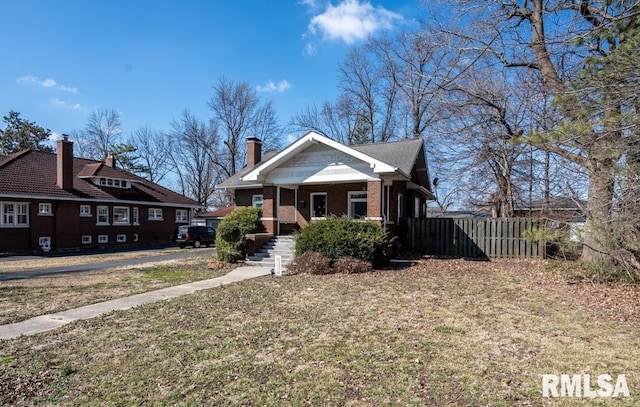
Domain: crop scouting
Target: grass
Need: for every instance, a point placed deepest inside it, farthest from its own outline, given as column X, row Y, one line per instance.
column 439, row 333
column 23, row 299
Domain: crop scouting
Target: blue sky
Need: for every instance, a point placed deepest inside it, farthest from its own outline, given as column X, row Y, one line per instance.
column 150, row 60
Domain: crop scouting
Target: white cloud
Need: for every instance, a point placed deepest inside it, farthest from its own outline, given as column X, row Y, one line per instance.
column 55, row 137
column 47, row 83
column 274, row 87
column 64, row 105
column 351, row 21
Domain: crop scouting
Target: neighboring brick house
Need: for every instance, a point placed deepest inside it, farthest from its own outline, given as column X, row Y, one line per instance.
column 57, row 201
column 316, row 176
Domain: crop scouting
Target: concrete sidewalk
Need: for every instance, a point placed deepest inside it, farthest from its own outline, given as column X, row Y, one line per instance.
column 48, row 322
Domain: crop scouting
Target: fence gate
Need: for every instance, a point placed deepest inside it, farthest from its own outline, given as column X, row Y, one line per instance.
column 471, row 237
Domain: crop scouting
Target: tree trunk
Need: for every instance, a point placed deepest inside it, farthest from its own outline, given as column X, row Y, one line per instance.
column 599, row 205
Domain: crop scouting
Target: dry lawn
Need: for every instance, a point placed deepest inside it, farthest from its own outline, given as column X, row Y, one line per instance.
column 23, row 299
column 444, row 332
column 29, row 263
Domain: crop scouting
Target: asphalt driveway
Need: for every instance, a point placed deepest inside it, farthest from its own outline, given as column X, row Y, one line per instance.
column 172, row 254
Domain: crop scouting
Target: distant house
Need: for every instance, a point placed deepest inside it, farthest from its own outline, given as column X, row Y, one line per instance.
column 56, row 201
column 561, row 208
column 315, row 177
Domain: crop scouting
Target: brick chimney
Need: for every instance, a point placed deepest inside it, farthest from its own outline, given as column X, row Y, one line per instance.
column 254, row 151
column 65, row 164
column 110, row 161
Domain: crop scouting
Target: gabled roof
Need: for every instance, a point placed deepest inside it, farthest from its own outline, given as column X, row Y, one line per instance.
column 303, row 143
column 398, row 158
column 33, row 174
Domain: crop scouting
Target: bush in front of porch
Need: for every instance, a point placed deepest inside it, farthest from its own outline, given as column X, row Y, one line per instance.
column 230, row 241
column 338, row 237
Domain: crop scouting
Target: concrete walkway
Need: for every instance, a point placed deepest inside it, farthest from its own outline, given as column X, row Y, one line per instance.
column 48, row 322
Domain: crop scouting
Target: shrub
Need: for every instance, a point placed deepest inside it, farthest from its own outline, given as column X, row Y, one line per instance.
column 337, row 237
column 311, row 263
column 350, row 265
column 230, row 241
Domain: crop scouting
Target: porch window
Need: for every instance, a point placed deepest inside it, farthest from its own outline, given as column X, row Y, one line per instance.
column 357, row 205
column 319, row 205
column 256, row 201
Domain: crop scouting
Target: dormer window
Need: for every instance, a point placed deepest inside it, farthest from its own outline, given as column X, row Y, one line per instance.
column 112, row 182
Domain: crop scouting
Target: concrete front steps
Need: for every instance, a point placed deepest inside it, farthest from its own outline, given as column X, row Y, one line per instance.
column 284, row 246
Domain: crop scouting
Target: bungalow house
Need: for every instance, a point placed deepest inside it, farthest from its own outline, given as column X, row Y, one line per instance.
column 315, row 177
column 57, row 201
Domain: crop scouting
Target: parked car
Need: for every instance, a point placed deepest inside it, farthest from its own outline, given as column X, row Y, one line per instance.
column 195, row 236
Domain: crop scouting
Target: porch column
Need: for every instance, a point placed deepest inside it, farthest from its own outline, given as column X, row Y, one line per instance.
column 269, row 207
column 374, row 200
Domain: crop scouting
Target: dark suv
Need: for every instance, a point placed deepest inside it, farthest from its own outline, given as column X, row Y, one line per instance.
column 195, row 236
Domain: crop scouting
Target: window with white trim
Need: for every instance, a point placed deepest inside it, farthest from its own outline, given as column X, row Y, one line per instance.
column 44, row 209
column 257, row 200
column 120, row 215
column 121, row 238
column 357, row 205
column 319, row 205
column 103, row 239
column 182, row 216
column 136, row 216
column 44, row 241
column 135, row 237
column 14, row 214
column 86, row 239
column 85, row 210
column 103, row 215
column 155, row 214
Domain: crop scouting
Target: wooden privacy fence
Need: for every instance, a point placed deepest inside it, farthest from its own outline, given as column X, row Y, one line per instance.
column 471, row 237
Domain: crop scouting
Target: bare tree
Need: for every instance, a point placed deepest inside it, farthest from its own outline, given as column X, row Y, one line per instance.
column 192, row 146
column 239, row 113
column 566, row 41
column 100, row 135
column 153, row 149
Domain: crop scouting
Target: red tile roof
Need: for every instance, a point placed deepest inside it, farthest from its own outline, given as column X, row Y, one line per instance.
column 34, row 174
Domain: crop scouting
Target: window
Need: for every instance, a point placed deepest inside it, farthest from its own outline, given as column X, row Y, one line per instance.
column 103, row 239
column 135, row 237
column 357, row 205
column 155, row 214
column 44, row 241
column 120, row 215
column 86, row 239
column 44, row 209
column 136, row 216
column 121, row 238
column 22, row 210
column 85, row 210
column 416, row 207
column 400, row 208
column 116, row 183
column 14, row 214
column 109, row 182
column 182, row 216
column 256, row 201
column 319, row 205
column 103, row 215
column 103, row 181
